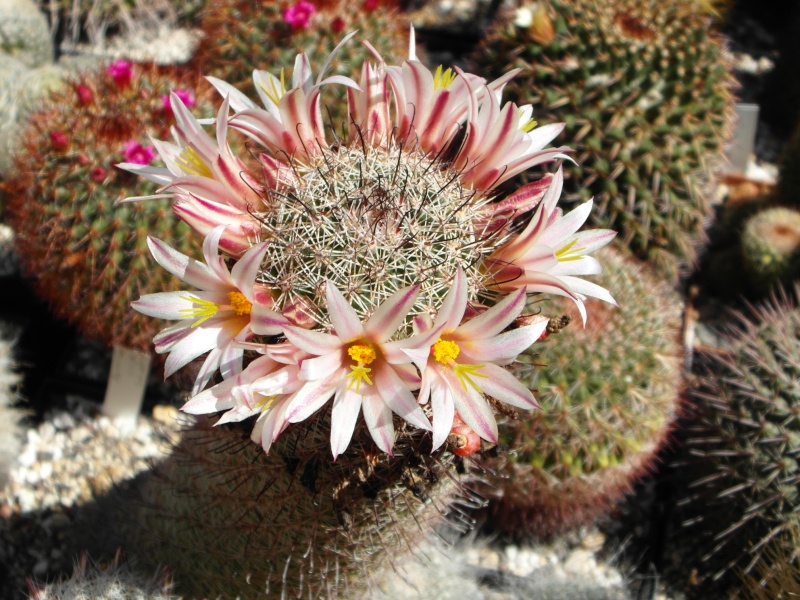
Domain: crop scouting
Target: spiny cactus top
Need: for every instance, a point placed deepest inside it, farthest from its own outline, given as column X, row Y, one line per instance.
column 369, row 270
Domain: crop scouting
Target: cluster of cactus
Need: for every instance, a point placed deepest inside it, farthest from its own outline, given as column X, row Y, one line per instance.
column 609, row 393
column 644, row 88
column 24, row 33
column 87, row 255
column 229, row 520
column 747, row 489
column 112, row 581
column 243, row 35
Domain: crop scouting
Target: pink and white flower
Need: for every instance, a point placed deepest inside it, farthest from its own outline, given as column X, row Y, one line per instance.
column 550, row 253
column 229, row 308
column 298, row 15
column 465, row 362
column 358, row 365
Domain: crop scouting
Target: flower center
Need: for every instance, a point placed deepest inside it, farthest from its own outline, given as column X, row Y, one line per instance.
column 445, row 351
column 363, row 354
column 442, row 78
column 239, row 303
column 203, row 312
column 191, row 163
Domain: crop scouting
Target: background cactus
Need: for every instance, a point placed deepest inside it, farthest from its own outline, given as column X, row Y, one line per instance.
column 645, row 90
column 86, row 255
column 746, row 494
column 228, row 519
column 24, row 33
column 242, row 35
column 771, row 247
column 609, row 394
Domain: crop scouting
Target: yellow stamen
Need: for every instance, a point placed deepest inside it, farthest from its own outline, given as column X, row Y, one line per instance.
column 264, row 402
column 239, row 303
column 442, row 78
column 564, row 254
column 363, row 354
column 359, row 373
column 465, row 373
column 445, row 351
column 529, row 126
column 274, row 93
column 191, row 163
column 205, row 310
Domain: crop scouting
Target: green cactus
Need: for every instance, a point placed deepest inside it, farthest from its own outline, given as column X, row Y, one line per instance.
column 87, row 255
column 24, row 33
column 644, row 89
column 243, row 35
column 746, row 494
column 229, row 520
column 771, row 247
column 609, row 393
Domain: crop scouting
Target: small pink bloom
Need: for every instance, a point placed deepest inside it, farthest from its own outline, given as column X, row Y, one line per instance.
column 337, row 25
column 85, row 95
column 121, row 71
column 370, row 5
column 186, row 96
column 299, row 14
column 59, row 140
column 97, row 174
column 137, row 154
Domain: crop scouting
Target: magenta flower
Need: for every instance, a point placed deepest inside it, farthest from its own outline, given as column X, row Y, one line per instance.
column 137, row 154
column 186, row 96
column 298, row 15
column 121, row 71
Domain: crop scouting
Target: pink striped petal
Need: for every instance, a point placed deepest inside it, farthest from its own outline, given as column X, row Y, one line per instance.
column 313, row 342
column 494, row 320
column 378, row 417
column 473, row 408
column 391, row 313
column 346, row 406
column 184, row 268
column 310, row 398
column 443, row 413
column 503, row 386
column 398, row 397
column 502, row 348
column 345, row 321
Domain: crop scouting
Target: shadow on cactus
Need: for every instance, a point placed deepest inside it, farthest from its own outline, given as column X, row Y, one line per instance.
column 86, row 255
column 229, row 520
column 745, row 446
column 609, row 394
column 644, row 88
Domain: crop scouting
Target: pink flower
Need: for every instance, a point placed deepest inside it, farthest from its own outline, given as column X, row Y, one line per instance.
column 370, row 5
column 186, row 97
column 98, row 174
column 360, row 368
column 85, row 95
column 137, row 154
column 121, row 71
column 59, row 140
column 299, row 14
column 228, row 309
column 549, row 254
column 337, row 25
column 465, row 364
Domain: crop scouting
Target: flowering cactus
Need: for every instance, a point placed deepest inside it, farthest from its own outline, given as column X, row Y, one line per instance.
column 382, row 270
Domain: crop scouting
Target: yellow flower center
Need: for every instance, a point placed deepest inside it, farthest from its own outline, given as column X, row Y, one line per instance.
column 567, row 253
column 363, row 354
column 528, row 126
column 445, row 350
column 239, row 303
column 203, row 312
column 264, row 402
column 442, row 78
column 273, row 93
column 191, row 163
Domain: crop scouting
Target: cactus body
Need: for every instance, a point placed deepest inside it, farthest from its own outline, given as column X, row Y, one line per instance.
column 87, row 255
column 229, row 520
column 644, row 88
column 771, row 247
column 24, row 34
column 746, row 494
column 243, row 35
column 608, row 393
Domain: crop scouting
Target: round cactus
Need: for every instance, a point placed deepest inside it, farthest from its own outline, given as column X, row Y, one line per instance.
column 229, row 520
column 243, row 35
column 747, row 492
column 771, row 247
column 88, row 255
column 24, row 34
column 609, row 393
column 644, row 89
